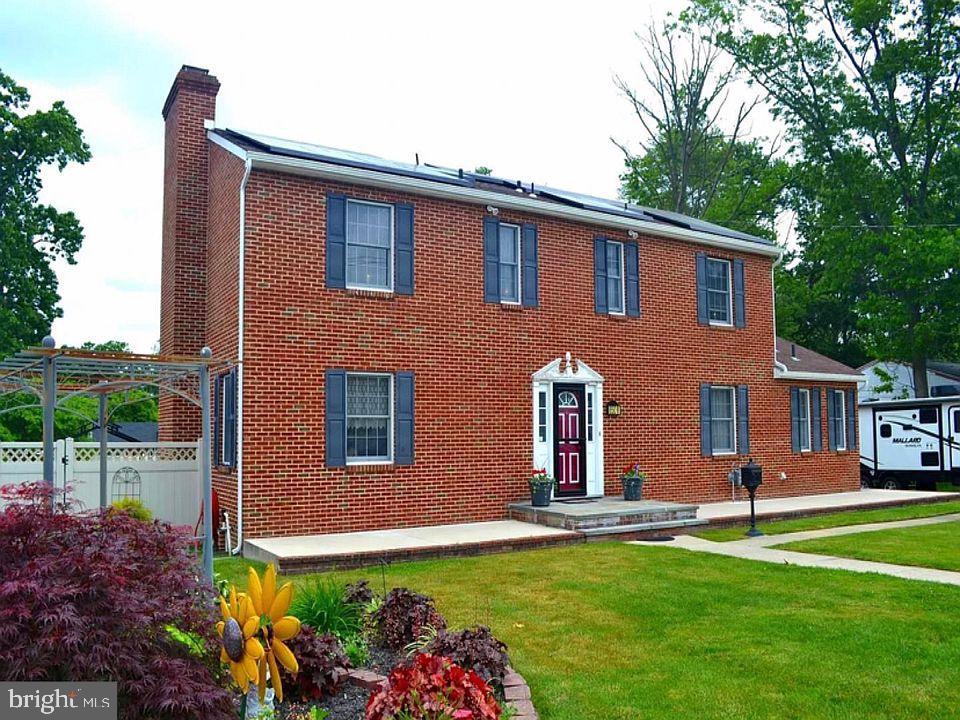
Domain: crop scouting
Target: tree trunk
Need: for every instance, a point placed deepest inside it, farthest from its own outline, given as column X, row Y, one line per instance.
column 920, row 376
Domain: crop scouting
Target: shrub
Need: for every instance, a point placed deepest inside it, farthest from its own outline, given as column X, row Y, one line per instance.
column 94, row 596
column 358, row 593
column 323, row 665
column 474, row 649
column 357, row 649
column 433, row 688
column 321, row 605
column 404, row 616
column 134, row 508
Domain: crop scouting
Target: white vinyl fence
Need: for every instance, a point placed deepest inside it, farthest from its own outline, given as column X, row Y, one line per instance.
column 169, row 474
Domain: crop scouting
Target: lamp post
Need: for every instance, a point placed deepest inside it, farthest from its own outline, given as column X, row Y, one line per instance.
column 751, row 477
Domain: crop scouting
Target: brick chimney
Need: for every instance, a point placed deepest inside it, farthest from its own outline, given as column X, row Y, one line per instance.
column 192, row 100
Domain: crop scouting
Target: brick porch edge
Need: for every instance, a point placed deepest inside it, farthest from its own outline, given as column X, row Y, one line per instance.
column 515, row 690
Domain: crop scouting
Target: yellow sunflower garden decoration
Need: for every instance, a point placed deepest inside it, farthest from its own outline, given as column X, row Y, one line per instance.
column 253, row 630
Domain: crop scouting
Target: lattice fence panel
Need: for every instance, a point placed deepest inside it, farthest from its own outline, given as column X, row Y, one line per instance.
column 21, row 454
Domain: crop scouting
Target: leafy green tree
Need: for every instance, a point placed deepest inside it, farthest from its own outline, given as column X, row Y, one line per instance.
column 32, row 234
column 870, row 93
column 688, row 162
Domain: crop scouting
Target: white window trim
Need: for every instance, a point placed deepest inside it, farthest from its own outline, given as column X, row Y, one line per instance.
column 391, row 422
column 721, row 323
column 623, row 283
column 840, row 438
column 733, row 405
column 391, row 252
column 803, row 396
column 519, row 265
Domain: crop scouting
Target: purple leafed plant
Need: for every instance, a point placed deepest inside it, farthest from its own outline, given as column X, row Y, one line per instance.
column 95, row 597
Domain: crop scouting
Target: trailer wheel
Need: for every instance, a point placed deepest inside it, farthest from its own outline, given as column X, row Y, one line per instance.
column 890, row 483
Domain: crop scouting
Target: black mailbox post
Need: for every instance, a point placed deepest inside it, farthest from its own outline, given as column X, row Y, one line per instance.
column 751, row 477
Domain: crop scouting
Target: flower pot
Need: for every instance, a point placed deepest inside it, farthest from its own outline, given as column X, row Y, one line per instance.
column 632, row 488
column 540, row 494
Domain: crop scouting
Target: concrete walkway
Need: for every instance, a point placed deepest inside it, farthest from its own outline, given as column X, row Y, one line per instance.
column 778, row 507
column 763, row 550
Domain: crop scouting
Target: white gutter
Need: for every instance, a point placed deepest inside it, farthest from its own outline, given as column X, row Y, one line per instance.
column 777, row 365
column 816, row 376
column 315, row 168
column 248, row 166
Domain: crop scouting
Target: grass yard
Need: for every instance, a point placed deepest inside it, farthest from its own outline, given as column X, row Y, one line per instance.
column 609, row 631
column 934, row 546
column 849, row 517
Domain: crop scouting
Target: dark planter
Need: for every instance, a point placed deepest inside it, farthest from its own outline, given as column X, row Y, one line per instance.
column 632, row 488
column 540, row 495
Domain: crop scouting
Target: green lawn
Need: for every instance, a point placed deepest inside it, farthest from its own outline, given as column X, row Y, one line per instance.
column 935, row 546
column 609, row 631
column 850, row 517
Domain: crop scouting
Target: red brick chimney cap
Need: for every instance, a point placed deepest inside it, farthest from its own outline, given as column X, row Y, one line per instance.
column 196, row 78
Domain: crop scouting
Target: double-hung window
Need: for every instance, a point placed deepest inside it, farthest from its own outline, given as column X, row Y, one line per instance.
column 509, row 263
column 369, row 417
column 840, row 420
column 615, row 291
column 719, row 295
column 803, row 413
column 723, row 420
column 369, row 239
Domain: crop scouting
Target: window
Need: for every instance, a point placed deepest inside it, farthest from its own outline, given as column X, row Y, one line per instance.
column 723, row 422
column 590, row 415
column 840, row 418
column 929, row 416
column 719, row 297
column 615, row 277
column 803, row 413
column 369, row 415
column 542, row 415
column 886, row 430
column 509, row 263
column 369, row 246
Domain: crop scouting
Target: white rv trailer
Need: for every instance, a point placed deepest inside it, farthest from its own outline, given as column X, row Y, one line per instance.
column 910, row 442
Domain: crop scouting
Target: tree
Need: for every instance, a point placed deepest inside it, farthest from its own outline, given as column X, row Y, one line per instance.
column 32, row 234
column 870, row 93
column 687, row 162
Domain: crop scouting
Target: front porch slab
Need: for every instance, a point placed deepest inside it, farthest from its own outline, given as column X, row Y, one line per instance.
column 313, row 553
column 608, row 515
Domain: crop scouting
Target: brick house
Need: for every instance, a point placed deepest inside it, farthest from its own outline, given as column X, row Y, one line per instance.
column 411, row 340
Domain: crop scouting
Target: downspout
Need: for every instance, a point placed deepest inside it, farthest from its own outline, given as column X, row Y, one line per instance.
column 773, row 294
column 248, row 166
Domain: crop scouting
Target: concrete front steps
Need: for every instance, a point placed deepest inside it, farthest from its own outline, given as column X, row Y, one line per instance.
column 610, row 517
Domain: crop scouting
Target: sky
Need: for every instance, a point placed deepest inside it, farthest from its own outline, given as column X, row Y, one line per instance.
column 523, row 88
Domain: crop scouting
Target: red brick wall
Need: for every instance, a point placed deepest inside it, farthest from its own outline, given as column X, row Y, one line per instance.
column 473, row 363
column 192, row 100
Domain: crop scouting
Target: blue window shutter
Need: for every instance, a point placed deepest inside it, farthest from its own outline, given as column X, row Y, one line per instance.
column 816, row 421
column 404, row 249
column 217, row 424
column 743, row 420
column 706, row 431
column 631, row 257
column 739, row 301
column 851, row 419
column 528, row 254
column 335, row 389
column 404, row 419
column 703, row 317
column 336, row 241
column 491, row 260
column 795, row 419
column 230, row 418
column 600, row 275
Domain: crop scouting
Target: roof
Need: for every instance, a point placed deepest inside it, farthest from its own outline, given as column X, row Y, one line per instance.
column 549, row 197
column 144, row 431
column 911, row 402
column 798, row 359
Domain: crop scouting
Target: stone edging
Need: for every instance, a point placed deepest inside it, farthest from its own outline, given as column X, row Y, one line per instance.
column 515, row 690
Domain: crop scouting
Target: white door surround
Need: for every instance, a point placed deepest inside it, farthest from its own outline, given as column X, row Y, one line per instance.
column 566, row 371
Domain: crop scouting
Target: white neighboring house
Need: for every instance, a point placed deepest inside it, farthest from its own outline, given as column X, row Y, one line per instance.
column 943, row 378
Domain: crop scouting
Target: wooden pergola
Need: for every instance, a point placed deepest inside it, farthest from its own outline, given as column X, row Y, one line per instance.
column 52, row 375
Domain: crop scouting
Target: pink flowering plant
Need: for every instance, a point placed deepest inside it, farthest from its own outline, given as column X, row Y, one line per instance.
column 540, row 477
column 633, row 472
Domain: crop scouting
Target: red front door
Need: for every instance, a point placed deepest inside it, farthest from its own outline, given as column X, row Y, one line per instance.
column 569, row 456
